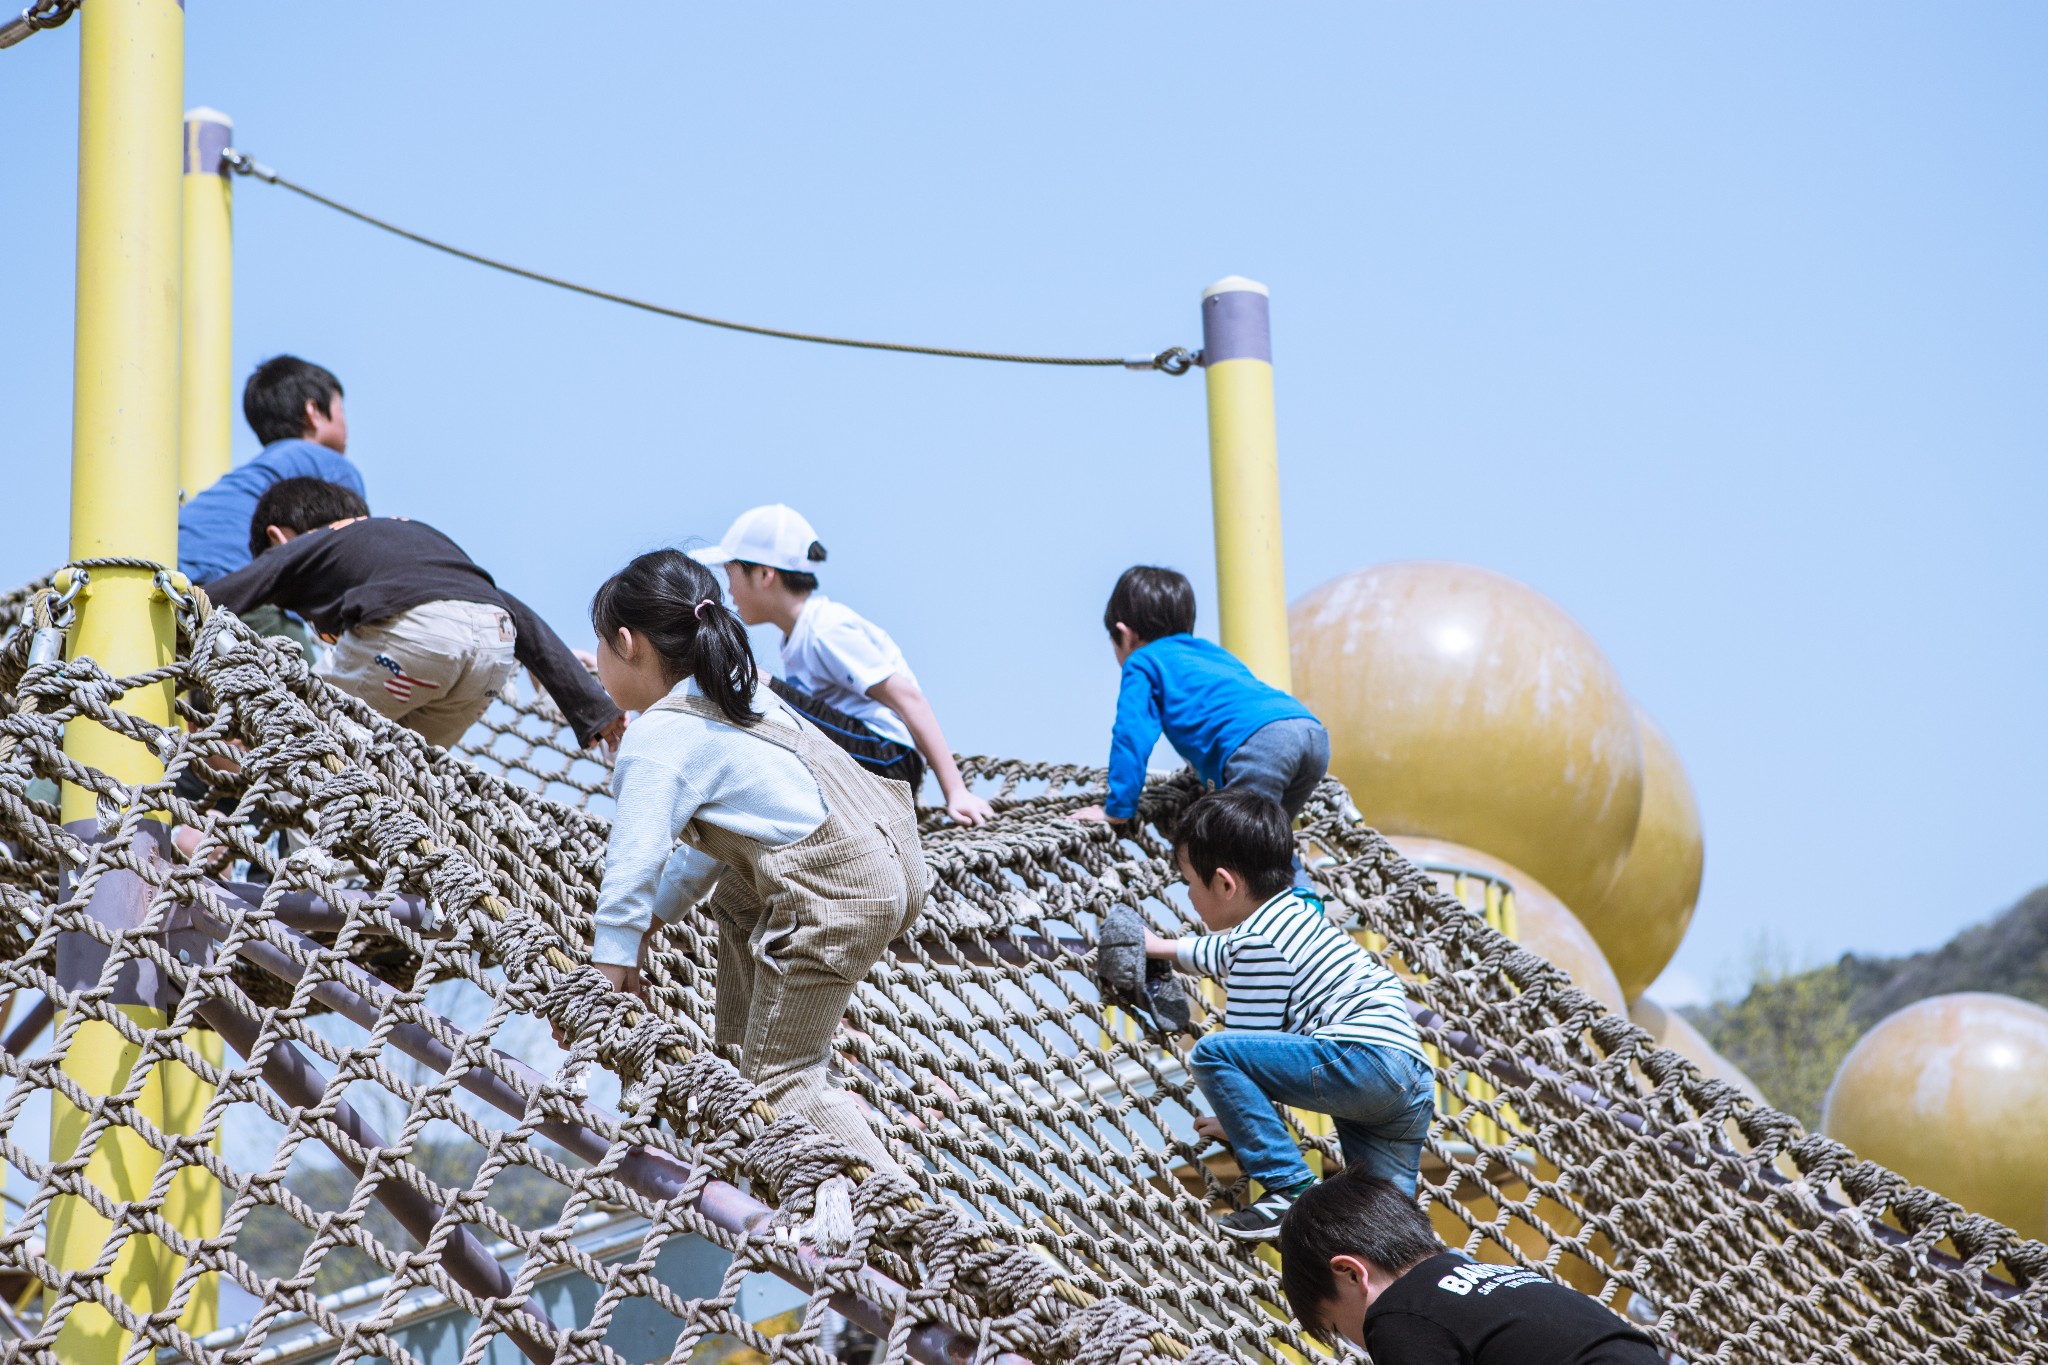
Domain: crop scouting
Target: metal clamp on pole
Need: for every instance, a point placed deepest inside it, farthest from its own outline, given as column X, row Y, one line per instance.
column 1172, row 360
column 51, row 615
column 177, row 589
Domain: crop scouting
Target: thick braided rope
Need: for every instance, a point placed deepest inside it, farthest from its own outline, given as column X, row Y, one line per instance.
column 1063, row 1208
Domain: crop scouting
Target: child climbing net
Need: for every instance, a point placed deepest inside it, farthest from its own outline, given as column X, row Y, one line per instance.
column 1058, row 1205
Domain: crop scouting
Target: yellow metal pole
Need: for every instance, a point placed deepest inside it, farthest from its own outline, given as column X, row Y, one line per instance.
column 207, row 412
column 124, row 491
column 124, row 460
column 206, row 425
column 1244, row 477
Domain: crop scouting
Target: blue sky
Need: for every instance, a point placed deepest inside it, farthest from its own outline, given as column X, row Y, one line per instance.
column 1725, row 328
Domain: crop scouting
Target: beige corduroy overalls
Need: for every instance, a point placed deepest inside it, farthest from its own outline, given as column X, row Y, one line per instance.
column 799, row 924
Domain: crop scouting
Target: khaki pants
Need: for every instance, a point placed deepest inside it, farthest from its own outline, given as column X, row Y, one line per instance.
column 800, row 924
column 786, row 970
column 435, row 667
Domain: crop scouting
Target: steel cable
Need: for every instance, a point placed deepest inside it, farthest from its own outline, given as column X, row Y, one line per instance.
column 1172, row 360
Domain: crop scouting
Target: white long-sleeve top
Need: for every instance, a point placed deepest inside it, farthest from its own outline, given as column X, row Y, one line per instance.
column 672, row 768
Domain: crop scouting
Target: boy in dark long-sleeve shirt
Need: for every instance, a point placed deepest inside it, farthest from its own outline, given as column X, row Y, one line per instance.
column 419, row 631
column 1234, row 730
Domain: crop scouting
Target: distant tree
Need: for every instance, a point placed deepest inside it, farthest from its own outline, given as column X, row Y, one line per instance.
column 2007, row 955
column 1788, row 1034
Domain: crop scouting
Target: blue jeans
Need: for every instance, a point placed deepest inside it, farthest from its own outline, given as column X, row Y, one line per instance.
column 1382, row 1099
column 1283, row 760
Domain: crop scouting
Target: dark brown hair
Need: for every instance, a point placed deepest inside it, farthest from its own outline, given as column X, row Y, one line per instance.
column 274, row 400
column 301, row 505
column 675, row 604
column 1350, row 1214
column 1153, row 602
column 1243, row 831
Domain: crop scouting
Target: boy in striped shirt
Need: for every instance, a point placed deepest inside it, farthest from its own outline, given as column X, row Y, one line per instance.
column 1312, row 1019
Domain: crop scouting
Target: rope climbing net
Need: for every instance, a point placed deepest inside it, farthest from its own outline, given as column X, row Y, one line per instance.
column 392, row 943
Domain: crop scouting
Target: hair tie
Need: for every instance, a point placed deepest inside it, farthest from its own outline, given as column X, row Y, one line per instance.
column 699, row 613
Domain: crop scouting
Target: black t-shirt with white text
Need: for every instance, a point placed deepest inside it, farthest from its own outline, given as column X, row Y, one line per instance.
column 1452, row 1311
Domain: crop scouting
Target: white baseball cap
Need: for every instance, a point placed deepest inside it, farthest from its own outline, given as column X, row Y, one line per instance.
column 776, row 536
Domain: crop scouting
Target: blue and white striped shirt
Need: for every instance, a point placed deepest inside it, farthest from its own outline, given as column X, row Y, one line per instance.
column 1286, row 968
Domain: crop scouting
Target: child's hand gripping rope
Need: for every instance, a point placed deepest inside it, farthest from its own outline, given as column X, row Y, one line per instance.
column 1132, row 979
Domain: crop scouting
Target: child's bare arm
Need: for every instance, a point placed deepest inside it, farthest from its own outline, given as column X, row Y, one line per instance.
column 1164, row 948
column 627, row 979
column 907, row 700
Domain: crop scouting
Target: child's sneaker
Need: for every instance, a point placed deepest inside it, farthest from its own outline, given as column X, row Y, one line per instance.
column 1260, row 1222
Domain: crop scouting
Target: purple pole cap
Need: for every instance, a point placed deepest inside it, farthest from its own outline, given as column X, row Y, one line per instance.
column 1235, row 324
column 208, row 133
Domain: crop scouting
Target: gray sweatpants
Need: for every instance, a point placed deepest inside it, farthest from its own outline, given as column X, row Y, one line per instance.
column 1283, row 760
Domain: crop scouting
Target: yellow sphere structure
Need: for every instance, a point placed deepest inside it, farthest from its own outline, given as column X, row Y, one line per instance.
column 1952, row 1093
column 1542, row 923
column 1643, row 916
column 1464, row 706
column 1675, row 1031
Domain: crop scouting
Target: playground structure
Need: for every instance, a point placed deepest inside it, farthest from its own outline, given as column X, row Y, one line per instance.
column 1061, row 1210
column 1464, row 706
column 372, row 888
column 1971, row 1061
column 1540, row 921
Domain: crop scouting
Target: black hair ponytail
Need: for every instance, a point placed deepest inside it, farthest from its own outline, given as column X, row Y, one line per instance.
column 674, row 603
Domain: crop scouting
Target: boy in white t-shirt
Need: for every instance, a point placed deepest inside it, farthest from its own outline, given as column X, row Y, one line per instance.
column 839, row 668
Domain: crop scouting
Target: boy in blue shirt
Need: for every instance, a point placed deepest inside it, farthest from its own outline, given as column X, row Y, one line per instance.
column 295, row 409
column 1234, row 731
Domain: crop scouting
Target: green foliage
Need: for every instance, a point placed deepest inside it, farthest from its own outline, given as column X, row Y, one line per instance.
column 1788, row 1034
column 1791, row 1030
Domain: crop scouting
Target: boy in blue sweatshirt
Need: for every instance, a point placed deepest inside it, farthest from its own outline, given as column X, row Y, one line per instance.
column 295, row 409
column 1234, row 731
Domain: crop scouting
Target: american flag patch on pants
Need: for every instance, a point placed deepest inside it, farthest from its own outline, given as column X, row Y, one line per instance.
column 435, row 667
column 401, row 683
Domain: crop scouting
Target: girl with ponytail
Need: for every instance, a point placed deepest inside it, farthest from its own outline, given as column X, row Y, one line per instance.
column 811, row 864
